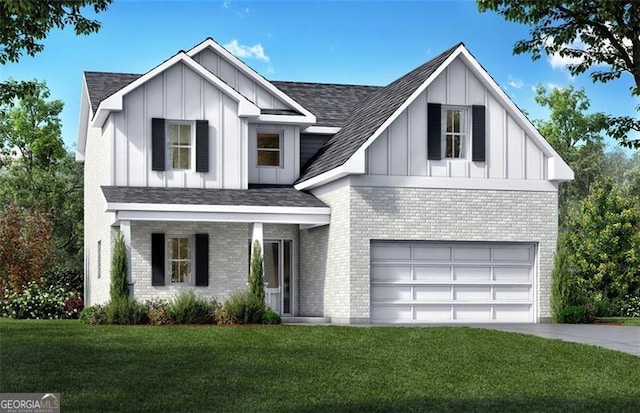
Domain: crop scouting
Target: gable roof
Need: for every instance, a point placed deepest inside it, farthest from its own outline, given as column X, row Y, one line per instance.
column 331, row 103
column 369, row 116
column 101, row 85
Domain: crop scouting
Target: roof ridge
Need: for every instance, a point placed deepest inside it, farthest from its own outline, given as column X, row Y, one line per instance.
column 113, row 73
column 324, row 83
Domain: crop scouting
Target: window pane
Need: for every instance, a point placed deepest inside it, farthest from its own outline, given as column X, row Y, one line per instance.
column 268, row 158
column 449, row 121
column 180, row 157
column 271, row 270
column 175, row 247
column 449, row 146
column 175, row 272
column 456, row 121
column 456, row 146
column 172, row 131
column 269, row 140
column 185, row 134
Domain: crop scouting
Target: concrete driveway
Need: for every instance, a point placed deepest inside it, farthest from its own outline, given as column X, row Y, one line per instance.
column 625, row 339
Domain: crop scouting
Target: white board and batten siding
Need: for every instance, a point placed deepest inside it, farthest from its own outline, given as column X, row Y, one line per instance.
column 433, row 282
column 401, row 150
column 289, row 170
column 179, row 94
column 238, row 80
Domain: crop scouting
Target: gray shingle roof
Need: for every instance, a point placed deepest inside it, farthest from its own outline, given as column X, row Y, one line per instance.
column 331, row 103
column 367, row 117
column 263, row 196
column 101, row 85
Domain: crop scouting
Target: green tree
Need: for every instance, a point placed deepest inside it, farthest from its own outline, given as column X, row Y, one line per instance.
column 38, row 173
column 256, row 273
column 603, row 244
column 119, row 289
column 25, row 23
column 600, row 35
column 575, row 135
column 563, row 293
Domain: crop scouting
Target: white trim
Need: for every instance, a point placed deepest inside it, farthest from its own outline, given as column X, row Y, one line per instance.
column 252, row 74
column 285, row 119
column 115, row 102
column 192, row 260
column 558, row 170
column 266, row 218
column 321, row 130
column 83, row 123
column 169, row 145
column 454, row 183
column 243, row 209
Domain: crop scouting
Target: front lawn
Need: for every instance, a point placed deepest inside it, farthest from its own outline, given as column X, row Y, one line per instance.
column 317, row 369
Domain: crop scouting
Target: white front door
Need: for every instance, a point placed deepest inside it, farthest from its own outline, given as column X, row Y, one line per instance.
column 278, row 275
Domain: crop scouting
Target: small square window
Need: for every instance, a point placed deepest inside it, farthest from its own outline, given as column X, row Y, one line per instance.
column 268, row 148
column 180, row 145
column 454, row 133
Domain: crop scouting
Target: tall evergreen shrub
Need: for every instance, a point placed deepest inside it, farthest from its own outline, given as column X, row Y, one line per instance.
column 119, row 283
column 256, row 273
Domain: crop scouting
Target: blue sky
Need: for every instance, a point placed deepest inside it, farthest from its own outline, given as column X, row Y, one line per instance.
column 360, row 42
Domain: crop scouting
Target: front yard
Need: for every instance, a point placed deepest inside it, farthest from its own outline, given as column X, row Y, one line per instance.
column 318, row 369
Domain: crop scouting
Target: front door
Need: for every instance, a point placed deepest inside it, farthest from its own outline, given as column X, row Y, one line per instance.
column 278, row 275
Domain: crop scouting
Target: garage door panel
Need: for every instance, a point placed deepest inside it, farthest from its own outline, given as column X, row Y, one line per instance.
column 513, row 313
column 512, row 274
column 452, row 282
column 472, row 253
column 390, row 273
column 475, row 293
column 472, row 313
column 512, row 253
column 512, row 293
column 392, row 313
column 390, row 293
column 472, row 273
column 432, row 313
column 432, row 293
column 391, row 252
column 432, row 273
column 432, row 253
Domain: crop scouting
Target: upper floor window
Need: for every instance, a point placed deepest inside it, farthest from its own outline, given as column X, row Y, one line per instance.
column 269, row 149
column 454, row 136
column 180, row 143
column 180, row 257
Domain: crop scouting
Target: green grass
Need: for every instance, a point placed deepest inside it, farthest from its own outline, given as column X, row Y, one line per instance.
column 625, row 321
column 311, row 369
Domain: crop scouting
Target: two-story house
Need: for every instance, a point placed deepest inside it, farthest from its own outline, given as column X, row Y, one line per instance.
column 431, row 199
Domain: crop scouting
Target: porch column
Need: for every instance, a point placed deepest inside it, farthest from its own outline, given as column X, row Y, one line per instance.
column 257, row 235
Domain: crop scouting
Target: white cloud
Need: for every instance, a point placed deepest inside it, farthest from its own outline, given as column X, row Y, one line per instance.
column 552, row 86
column 250, row 52
column 515, row 83
column 226, row 4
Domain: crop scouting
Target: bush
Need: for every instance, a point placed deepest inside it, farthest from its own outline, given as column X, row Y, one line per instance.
column 245, row 308
column 561, row 286
column 222, row 317
column 119, row 283
column 36, row 300
column 159, row 313
column 68, row 278
column 576, row 315
column 73, row 306
column 93, row 315
column 271, row 317
column 188, row 308
column 256, row 273
column 631, row 306
column 125, row 311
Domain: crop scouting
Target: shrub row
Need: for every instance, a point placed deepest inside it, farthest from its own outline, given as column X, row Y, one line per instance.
column 41, row 299
column 185, row 308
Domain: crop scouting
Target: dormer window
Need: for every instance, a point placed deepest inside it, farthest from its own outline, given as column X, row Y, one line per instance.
column 269, row 149
column 180, row 144
column 454, row 132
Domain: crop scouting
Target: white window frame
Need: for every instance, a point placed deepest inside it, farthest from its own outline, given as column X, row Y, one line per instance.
column 280, row 149
column 170, row 145
column 464, row 133
column 192, row 259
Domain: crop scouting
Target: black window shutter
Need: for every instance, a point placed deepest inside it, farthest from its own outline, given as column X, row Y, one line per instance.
column 478, row 151
column 434, row 131
column 202, row 260
column 157, row 259
column 202, row 146
column 157, row 144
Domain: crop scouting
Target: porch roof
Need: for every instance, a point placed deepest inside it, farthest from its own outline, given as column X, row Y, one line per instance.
column 256, row 204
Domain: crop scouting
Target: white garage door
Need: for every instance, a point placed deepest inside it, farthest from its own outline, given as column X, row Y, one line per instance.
column 424, row 282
